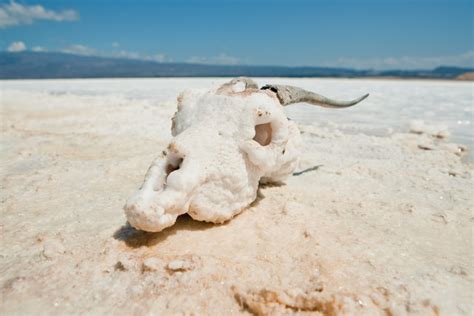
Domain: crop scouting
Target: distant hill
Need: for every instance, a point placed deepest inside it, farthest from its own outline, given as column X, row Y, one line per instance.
column 36, row 65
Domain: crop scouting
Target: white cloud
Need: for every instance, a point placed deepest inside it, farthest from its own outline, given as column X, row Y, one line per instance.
column 126, row 54
column 160, row 58
column 406, row 62
column 16, row 47
column 221, row 59
column 115, row 44
column 78, row 49
column 39, row 49
column 13, row 13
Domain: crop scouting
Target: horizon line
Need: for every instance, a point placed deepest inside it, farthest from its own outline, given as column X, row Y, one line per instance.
column 233, row 65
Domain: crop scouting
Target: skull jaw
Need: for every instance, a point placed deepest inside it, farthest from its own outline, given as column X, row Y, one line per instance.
column 213, row 201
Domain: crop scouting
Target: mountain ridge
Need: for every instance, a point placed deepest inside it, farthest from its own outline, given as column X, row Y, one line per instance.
column 51, row 65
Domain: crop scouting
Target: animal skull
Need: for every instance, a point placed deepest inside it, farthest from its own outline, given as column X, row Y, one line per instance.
column 226, row 141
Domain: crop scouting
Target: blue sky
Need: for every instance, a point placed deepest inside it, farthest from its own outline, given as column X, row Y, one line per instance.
column 379, row 34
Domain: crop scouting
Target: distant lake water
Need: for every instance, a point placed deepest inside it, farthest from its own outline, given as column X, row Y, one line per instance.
column 392, row 104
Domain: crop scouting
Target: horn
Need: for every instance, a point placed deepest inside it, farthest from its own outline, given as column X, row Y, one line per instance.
column 289, row 95
column 249, row 83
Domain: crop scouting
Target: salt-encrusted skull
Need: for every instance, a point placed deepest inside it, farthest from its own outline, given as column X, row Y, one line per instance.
column 226, row 141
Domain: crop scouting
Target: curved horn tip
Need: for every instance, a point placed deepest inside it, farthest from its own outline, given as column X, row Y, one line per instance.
column 360, row 99
column 363, row 97
column 341, row 105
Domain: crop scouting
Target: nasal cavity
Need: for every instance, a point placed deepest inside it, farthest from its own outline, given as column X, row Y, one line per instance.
column 263, row 134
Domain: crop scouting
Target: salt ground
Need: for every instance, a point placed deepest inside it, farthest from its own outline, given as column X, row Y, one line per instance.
column 381, row 223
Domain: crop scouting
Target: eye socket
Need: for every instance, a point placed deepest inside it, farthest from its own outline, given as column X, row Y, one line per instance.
column 263, row 134
column 173, row 165
column 170, row 168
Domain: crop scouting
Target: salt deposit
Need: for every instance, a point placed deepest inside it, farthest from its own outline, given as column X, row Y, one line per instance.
column 375, row 223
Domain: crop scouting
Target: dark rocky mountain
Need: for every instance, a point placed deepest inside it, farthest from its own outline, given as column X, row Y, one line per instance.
column 36, row 65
